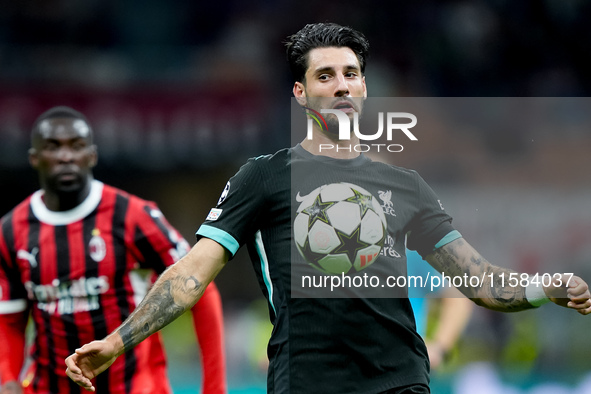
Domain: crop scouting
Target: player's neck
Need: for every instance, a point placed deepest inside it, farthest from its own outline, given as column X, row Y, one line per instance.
column 65, row 201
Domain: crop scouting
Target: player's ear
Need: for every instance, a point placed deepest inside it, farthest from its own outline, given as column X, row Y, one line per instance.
column 364, row 88
column 299, row 92
column 33, row 158
column 93, row 159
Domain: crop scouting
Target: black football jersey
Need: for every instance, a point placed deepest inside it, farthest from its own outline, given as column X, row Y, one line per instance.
column 355, row 340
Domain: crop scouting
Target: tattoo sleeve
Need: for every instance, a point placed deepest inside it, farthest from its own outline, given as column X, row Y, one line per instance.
column 459, row 259
column 170, row 297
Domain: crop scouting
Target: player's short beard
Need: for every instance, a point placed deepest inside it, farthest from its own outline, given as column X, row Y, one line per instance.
column 68, row 192
column 332, row 123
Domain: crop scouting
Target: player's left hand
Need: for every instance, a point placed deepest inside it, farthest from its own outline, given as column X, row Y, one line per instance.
column 570, row 292
column 12, row 387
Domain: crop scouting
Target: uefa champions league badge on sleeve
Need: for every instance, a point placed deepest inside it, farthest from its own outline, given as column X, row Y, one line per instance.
column 214, row 214
column 224, row 194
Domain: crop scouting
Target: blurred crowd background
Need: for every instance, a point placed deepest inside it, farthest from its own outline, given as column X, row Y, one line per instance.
column 180, row 93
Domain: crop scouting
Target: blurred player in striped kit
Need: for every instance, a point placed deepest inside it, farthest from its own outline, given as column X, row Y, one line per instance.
column 78, row 256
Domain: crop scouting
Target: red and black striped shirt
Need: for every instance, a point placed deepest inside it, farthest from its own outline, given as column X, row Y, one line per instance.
column 81, row 273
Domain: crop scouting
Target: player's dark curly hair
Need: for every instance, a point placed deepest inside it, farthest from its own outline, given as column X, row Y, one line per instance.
column 320, row 35
column 59, row 112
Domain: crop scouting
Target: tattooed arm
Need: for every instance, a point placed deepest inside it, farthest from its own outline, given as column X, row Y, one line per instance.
column 459, row 259
column 175, row 291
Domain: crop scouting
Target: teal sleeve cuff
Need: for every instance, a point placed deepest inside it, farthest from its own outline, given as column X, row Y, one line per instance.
column 220, row 236
column 451, row 236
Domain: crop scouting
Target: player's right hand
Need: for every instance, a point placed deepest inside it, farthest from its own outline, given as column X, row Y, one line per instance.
column 436, row 353
column 89, row 361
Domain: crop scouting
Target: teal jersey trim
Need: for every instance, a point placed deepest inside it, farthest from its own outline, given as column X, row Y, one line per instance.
column 265, row 267
column 451, row 236
column 220, row 236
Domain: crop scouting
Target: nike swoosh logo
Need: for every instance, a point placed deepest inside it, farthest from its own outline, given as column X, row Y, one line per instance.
column 301, row 198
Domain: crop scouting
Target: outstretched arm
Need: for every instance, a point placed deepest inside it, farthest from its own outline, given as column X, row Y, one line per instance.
column 459, row 259
column 209, row 327
column 175, row 291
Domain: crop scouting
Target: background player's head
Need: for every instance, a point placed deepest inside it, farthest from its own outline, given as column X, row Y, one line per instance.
column 320, row 35
column 62, row 151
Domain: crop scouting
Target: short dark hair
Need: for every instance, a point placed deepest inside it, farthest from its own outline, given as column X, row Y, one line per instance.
column 59, row 112
column 318, row 35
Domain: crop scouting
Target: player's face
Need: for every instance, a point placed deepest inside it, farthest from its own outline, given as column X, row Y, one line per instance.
column 333, row 80
column 63, row 155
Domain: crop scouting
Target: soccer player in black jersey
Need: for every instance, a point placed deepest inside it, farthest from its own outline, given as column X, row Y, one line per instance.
column 78, row 256
column 323, row 345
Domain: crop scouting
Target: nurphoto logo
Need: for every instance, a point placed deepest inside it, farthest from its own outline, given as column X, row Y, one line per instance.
column 392, row 120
